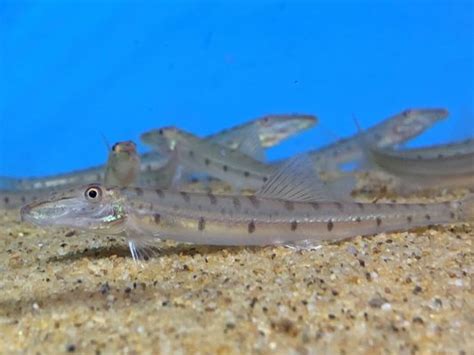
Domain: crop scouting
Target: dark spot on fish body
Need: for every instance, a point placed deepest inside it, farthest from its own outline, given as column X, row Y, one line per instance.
column 264, row 179
column 378, row 220
column 358, row 219
column 452, row 215
column 23, row 199
column 289, row 205
column 207, row 161
column 246, row 174
column 160, row 193
column 330, row 225
column 409, row 219
column 315, row 205
column 157, row 218
column 185, row 196
column 360, row 205
column 212, row 198
column 201, row 223
column 236, row 202
column 139, row 191
column 254, row 201
column 427, row 217
column 251, row 227
column 294, row 225
column 191, row 153
column 6, row 200
column 225, row 167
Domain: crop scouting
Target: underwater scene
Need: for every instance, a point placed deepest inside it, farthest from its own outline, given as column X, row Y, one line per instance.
column 201, row 177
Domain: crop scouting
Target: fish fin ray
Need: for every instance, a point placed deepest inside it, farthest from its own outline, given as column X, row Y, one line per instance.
column 295, row 180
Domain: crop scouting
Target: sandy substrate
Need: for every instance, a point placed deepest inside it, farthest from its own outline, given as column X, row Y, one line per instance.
column 65, row 291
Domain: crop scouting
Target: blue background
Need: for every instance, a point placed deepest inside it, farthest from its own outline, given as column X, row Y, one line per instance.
column 72, row 71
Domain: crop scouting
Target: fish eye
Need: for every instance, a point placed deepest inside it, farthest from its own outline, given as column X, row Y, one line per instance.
column 93, row 193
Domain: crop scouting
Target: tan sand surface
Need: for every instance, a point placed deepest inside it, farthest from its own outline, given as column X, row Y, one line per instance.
column 67, row 291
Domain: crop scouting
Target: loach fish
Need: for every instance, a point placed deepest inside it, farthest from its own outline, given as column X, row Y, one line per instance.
column 390, row 132
column 444, row 165
column 123, row 165
column 288, row 210
column 270, row 130
column 121, row 170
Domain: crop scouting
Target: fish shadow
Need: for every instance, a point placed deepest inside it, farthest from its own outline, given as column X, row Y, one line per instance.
column 122, row 251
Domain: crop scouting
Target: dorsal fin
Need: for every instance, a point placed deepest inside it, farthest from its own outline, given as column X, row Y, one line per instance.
column 295, row 180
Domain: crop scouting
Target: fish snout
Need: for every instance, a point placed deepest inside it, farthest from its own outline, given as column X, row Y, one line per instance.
column 25, row 211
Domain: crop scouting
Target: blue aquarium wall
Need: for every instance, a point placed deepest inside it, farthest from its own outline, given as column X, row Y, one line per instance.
column 72, row 72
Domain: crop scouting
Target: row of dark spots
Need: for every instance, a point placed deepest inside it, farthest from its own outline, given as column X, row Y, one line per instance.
column 254, row 201
column 236, row 202
column 6, row 199
column 212, row 198
column 225, row 168
column 185, row 196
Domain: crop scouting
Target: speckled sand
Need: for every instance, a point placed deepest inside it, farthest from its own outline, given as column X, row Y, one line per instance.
column 399, row 293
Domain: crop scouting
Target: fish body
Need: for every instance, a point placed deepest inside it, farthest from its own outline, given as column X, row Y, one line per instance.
column 218, row 161
column 145, row 215
column 270, row 131
column 388, row 133
column 446, row 165
column 74, row 178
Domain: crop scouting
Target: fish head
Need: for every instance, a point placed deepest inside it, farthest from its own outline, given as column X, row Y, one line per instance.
column 158, row 141
column 411, row 123
column 92, row 207
column 275, row 128
column 128, row 147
